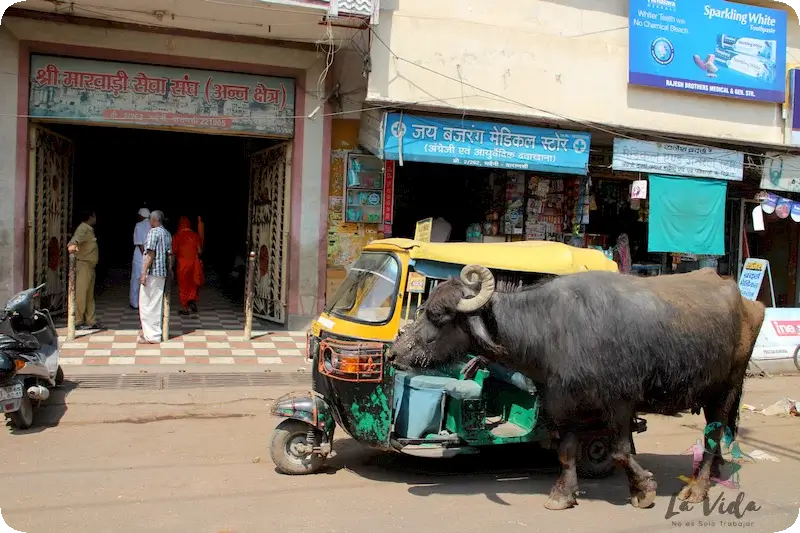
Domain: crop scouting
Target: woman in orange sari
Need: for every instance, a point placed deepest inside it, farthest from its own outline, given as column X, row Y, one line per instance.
column 187, row 249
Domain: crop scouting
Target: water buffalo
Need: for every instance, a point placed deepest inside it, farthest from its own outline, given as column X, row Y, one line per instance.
column 602, row 345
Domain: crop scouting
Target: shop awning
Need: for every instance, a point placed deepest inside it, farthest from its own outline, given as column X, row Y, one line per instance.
column 455, row 141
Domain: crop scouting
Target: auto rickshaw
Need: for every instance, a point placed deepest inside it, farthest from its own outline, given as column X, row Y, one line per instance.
column 435, row 413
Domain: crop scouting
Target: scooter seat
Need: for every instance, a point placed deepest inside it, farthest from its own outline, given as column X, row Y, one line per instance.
column 20, row 342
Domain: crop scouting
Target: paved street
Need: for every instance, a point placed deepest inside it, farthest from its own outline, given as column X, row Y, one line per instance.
column 196, row 460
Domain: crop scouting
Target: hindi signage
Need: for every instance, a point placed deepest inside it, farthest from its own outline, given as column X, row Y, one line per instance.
column 710, row 47
column 422, row 232
column 79, row 90
column 484, row 144
column 752, row 277
column 388, row 192
column 677, row 160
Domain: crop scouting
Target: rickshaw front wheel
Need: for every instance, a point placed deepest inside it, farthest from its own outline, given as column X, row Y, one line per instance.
column 288, row 449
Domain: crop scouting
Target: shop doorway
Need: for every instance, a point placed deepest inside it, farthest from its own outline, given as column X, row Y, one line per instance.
column 461, row 195
column 238, row 186
column 777, row 243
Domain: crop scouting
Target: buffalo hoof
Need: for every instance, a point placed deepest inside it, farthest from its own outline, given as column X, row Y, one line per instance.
column 693, row 493
column 645, row 496
column 559, row 501
column 560, row 504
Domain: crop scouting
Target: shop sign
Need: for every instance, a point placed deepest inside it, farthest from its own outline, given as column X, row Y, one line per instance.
column 752, row 277
column 422, row 233
column 781, row 172
column 79, row 90
column 712, row 47
column 388, row 192
column 677, row 159
column 484, row 144
column 794, row 101
column 780, row 334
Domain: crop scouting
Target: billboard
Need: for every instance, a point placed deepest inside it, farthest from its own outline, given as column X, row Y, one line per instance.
column 709, row 47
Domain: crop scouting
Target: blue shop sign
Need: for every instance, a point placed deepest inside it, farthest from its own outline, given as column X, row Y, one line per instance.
column 484, row 144
column 713, row 47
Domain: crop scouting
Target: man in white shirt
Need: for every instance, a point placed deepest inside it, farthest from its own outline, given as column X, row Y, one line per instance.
column 139, row 238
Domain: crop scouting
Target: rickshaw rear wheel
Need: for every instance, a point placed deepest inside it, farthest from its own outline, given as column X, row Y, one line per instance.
column 284, row 450
column 594, row 458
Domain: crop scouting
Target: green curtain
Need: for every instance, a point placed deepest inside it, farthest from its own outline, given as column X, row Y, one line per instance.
column 687, row 215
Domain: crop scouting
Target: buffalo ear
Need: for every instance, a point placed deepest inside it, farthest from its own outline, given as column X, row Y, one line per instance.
column 481, row 334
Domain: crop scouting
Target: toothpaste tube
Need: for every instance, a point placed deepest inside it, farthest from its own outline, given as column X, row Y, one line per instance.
column 748, row 46
column 747, row 65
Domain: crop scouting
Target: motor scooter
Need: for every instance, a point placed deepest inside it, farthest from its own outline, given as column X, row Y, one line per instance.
column 29, row 357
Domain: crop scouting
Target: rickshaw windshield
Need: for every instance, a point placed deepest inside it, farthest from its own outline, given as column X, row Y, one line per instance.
column 369, row 292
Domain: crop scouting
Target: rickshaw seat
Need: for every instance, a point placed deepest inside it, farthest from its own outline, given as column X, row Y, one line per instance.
column 418, row 401
column 512, row 377
column 460, row 389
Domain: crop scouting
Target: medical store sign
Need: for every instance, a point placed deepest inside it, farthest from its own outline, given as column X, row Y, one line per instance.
column 709, row 47
column 459, row 141
column 87, row 91
column 677, row 159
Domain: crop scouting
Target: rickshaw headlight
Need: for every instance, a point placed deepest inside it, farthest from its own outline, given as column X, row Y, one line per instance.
column 327, row 357
column 349, row 364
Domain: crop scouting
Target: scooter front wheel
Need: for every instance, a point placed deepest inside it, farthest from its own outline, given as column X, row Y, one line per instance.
column 23, row 417
column 286, row 451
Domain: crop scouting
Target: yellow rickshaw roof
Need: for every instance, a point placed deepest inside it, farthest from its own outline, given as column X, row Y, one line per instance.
column 543, row 257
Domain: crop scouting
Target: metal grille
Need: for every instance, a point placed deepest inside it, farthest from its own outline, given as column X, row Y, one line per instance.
column 52, row 215
column 269, row 230
column 356, row 361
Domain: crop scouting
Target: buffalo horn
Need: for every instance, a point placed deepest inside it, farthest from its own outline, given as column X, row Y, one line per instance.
column 471, row 275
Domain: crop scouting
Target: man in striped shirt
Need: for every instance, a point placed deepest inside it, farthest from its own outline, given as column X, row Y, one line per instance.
column 155, row 268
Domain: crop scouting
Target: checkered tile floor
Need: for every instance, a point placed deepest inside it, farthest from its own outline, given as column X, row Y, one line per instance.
column 213, row 336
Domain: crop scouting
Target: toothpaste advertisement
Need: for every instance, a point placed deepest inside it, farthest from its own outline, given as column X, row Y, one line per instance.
column 709, row 47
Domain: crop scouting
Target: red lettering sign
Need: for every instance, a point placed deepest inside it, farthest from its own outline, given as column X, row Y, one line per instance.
column 786, row 328
column 388, row 192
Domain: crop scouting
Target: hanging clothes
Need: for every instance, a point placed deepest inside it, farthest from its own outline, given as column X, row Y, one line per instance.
column 687, row 215
column 186, row 248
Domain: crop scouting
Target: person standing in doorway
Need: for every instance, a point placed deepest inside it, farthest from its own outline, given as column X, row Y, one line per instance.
column 84, row 245
column 139, row 235
column 186, row 248
column 153, row 277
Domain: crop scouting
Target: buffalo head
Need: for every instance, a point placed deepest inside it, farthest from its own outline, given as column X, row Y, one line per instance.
column 451, row 323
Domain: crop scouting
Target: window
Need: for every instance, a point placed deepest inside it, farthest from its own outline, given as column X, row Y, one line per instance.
column 369, row 292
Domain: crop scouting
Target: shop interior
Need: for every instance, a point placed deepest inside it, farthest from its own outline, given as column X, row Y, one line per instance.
column 491, row 205
column 778, row 244
column 119, row 170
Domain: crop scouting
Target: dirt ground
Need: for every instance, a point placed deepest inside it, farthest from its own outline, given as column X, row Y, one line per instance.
column 196, row 461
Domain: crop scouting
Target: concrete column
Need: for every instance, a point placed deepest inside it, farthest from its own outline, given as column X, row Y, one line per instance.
column 11, row 251
column 311, row 234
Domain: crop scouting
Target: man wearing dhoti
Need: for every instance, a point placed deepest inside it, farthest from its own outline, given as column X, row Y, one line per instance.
column 153, row 277
column 139, row 235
